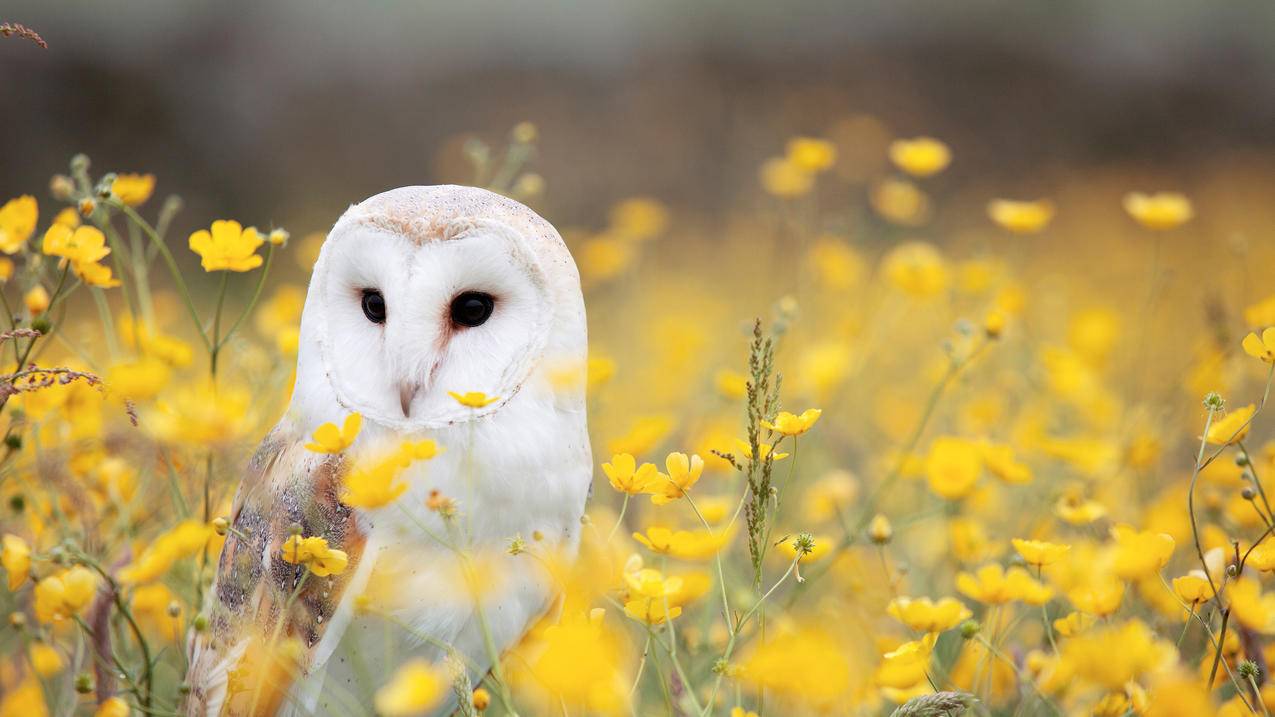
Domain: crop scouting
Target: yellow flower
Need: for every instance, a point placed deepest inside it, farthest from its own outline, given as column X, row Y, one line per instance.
column 999, row 460
column 741, row 712
column 835, row 263
column 481, row 699
column 83, row 247
column 579, row 661
column 811, row 155
column 652, row 596
column 278, row 237
column 46, row 660
column 905, row 666
column 880, row 530
column 920, row 157
column 133, row 189
column 1232, row 428
column 900, row 202
column 682, row 544
column 113, row 707
column 784, row 178
column 683, row 473
column 24, row 699
column 731, row 384
column 1163, row 210
column 926, row 615
column 1262, row 557
column 371, row 482
column 792, row 425
column 228, row 247
column 414, row 688
column 1114, row 655
column 1140, row 554
column 186, row 539
column 15, row 556
column 60, row 596
column 917, row 269
column 473, row 399
column 1040, row 553
column 1261, row 348
column 639, row 218
column 1074, row 624
column 744, row 449
column 330, row 439
column 627, row 477
column 1099, row 597
column 17, row 223
column 1021, row 217
column 1253, row 608
column 1193, row 588
column 314, row 553
column 804, row 663
column 1076, row 510
column 36, row 300
column 151, row 605
column 953, row 467
column 993, row 585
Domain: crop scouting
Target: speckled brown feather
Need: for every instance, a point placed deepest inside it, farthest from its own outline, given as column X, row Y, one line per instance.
column 285, row 485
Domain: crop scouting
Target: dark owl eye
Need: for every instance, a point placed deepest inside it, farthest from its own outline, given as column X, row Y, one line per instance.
column 374, row 306
column 472, row 308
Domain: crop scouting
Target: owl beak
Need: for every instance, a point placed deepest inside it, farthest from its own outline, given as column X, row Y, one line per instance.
column 406, row 394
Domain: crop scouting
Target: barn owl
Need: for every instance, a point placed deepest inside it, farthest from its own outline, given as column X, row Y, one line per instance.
column 418, row 293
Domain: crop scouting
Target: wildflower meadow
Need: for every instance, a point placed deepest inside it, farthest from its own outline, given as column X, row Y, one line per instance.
column 866, row 442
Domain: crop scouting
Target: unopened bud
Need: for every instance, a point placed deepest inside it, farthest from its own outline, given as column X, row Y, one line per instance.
column 200, row 623
column 879, row 530
column 84, row 683
column 970, row 628
column 61, row 187
column 221, row 525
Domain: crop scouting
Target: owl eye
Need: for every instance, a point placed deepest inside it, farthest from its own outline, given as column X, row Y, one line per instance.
column 472, row 308
column 374, row 306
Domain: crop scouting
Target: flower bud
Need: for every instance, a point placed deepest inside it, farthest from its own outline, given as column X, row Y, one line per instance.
column 1213, row 402
column 17, row 620
column 279, row 237
column 880, row 530
column 84, row 683
column 13, row 441
column 969, row 629
column 1248, row 493
column 174, row 609
column 87, row 207
column 482, row 699
column 200, row 622
column 61, row 187
column 1232, row 570
column 1249, row 670
column 221, row 525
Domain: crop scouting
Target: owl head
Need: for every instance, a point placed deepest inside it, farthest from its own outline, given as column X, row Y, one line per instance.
column 423, row 291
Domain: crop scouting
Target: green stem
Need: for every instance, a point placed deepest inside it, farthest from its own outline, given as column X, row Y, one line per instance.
column 216, row 339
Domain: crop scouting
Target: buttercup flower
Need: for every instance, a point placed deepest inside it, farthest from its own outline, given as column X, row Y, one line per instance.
column 1039, row 553
column 61, row 596
column 1262, row 347
column 83, row 247
column 414, row 688
column 473, row 399
column 953, row 467
column 683, row 472
column 17, row 223
column 792, row 425
column 926, row 615
column 993, row 585
column 314, row 553
column 1140, row 554
column 133, row 189
column 810, row 154
column 228, row 247
column 1163, row 210
column 1231, row 428
column 1192, row 588
column 920, row 157
column 1021, row 217
column 330, row 439
column 627, row 477
column 15, row 556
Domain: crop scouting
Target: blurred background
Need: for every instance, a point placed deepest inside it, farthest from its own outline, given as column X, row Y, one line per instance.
column 285, row 112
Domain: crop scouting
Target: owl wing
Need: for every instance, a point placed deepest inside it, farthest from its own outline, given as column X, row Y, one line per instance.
column 265, row 615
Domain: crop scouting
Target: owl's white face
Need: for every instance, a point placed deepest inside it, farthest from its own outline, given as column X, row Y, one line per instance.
column 404, row 322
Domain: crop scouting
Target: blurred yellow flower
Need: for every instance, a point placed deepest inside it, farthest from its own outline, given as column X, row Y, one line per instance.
column 644, row 434
column 652, row 596
column 580, row 661
column 133, row 189
column 993, row 585
column 330, row 439
column 879, row 529
column 314, row 553
column 732, row 385
column 1074, row 509
column 1113, row 655
column 999, row 460
column 811, row 154
column 1074, row 623
column 414, row 688
column 926, row 615
column 1231, row 428
column 682, row 544
column 627, row 477
column 835, row 263
column 17, row 223
column 1262, row 347
column 920, row 157
column 782, row 177
column 639, row 218
column 1099, row 596
column 1162, row 210
column 184, row 540
column 45, row 659
column 1140, row 554
column 473, row 399
column 201, row 413
column 1193, row 588
column 371, row 482
column 916, row 269
column 1038, row 552
column 1021, row 217
column 793, row 425
column 15, row 557
column 743, row 448
column 113, row 707
column 152, row 606
column 905, row 666
column 65, row 594
column 900, row 201
column 953, row 467
column 36, row 300
column 805, row 664
column 228, row 247
column 683, row 473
